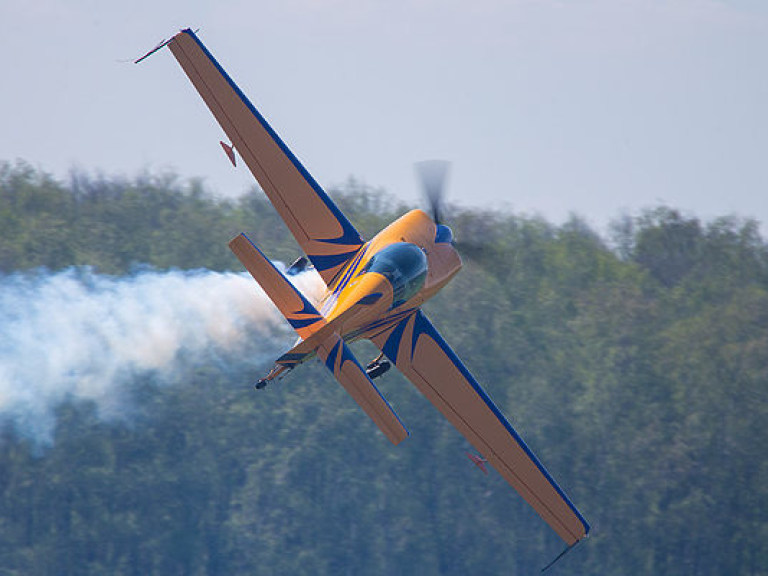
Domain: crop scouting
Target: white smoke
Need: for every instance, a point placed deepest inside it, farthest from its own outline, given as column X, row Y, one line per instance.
column 80, row 335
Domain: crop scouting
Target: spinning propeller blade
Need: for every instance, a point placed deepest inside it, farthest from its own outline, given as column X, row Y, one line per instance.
column 433, row 175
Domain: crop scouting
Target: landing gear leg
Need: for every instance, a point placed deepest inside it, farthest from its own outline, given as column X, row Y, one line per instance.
column 378, row 367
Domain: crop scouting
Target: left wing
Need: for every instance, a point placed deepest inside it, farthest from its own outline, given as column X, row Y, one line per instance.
column 421, row 354
column 323, row 232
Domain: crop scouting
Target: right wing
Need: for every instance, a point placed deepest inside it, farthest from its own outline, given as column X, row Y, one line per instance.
column 323, row 232
column 421, row 354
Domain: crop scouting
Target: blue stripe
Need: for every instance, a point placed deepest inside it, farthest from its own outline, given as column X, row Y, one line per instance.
column 424, row 326
column 301, row 322
column 308, row 307
column 350, row 271
column 324, row 262
column 379, row 323
column 349, row 234
column 331, row 359
column 392, row 345
column 348, row 356
column 370, row 299
column 350, row 237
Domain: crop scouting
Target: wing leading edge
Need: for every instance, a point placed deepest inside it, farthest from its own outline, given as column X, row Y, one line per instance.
column 421, row 354
column 323, row 232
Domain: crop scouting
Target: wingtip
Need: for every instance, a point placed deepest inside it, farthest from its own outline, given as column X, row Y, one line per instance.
column 189, row 31
column 560, row 556
column 163, row 43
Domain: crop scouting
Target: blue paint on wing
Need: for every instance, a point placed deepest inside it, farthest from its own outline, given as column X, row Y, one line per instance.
column 347, row 356
column 349, row 234
column 369, row 329
column 330, row 362
column 297, row 323
column 325, row 262
column 392, row 345
column 370, row 299
column 423, row 326
column 308, row 308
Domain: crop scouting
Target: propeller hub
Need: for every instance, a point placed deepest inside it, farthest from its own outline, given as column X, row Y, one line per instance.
column 443, row 234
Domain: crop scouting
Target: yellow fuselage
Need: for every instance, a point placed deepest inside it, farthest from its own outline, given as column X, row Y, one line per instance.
column 358, row 298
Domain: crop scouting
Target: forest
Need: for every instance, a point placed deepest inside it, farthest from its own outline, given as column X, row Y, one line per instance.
column 634, row 363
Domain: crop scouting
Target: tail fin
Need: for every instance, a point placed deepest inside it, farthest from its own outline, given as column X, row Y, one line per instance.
column 299, row 312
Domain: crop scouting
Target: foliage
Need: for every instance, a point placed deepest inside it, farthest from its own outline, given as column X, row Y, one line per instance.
column 636, row 367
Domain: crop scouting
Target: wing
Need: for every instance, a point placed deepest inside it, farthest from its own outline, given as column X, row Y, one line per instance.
column 421, row 354
column 339, row 359
column 323, row 232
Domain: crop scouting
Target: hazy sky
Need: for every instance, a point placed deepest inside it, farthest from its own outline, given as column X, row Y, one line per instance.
column 544, row 106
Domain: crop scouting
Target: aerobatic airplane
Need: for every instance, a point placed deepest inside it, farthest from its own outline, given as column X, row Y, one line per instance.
column 375, row 290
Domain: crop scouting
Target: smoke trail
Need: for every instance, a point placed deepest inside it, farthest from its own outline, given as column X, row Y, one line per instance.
column 77, row 334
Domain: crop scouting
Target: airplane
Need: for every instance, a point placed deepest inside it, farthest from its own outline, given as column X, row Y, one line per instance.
column 375, row 290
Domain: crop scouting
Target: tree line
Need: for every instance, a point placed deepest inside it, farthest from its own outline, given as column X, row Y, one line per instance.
column 634, row 363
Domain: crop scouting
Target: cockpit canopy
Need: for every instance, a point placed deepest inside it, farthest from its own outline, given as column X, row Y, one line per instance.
column 404, row 265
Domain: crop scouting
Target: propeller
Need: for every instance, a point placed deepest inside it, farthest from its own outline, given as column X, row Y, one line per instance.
column 433, row 175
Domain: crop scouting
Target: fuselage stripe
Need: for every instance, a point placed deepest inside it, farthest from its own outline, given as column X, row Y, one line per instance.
column 351, row 270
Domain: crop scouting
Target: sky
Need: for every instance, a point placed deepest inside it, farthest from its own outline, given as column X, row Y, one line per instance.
column 546, row 107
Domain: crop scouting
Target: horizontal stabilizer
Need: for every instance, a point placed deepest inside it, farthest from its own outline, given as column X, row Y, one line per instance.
column 299, row 312
column 339, row 359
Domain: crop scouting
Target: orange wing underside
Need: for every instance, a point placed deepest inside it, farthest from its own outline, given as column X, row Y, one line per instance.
column 323, row 232
column 421, row 354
